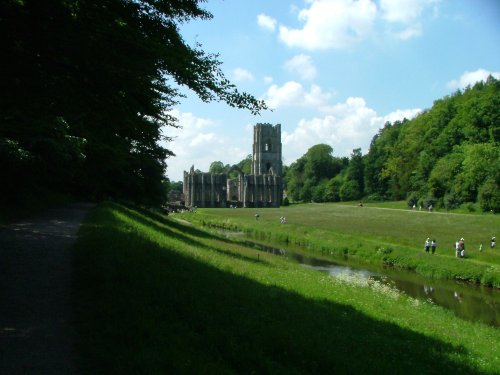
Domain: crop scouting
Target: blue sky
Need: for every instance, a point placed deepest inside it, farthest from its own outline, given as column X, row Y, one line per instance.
column 334, row 71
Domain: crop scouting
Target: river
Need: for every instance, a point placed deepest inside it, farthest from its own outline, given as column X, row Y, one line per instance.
column 471, row 302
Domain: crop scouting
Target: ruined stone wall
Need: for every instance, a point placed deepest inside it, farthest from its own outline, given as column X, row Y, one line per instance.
column 204, row 189
column 262, row 188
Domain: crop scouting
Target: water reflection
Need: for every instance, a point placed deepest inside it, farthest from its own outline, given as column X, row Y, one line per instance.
column 471, row 302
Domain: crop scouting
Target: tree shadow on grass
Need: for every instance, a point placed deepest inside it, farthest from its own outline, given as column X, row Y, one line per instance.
column 162, row 312
column 189, row 229
column 182, row 232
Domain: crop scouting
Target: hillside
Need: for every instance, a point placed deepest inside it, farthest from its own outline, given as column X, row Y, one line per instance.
column 446, row 156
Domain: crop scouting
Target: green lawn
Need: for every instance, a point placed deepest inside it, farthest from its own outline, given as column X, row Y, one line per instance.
column 374, row 234
column 154, row 296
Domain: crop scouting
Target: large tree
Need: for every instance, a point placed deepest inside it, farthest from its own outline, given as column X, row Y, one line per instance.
column 86, row 89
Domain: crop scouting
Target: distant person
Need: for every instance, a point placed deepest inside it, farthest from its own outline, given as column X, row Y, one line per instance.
column 493, row 242
column 427, row 245
column 461, row 247
column 457, row 249
column 433, row 246
column 480, row 247
column 414, row 207
column 430, row 208
column 257, row 216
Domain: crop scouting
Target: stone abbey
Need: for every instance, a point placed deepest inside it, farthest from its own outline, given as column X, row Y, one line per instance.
column 262, row 188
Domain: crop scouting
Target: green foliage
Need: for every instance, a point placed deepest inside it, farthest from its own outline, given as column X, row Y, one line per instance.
column 309, row 177
column 489, row 196
column 447, row 152
column 286, row 202
column 216, row 167
column 350, row 190
column 90, row 86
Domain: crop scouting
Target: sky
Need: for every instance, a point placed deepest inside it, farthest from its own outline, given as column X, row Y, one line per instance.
column 332, row 71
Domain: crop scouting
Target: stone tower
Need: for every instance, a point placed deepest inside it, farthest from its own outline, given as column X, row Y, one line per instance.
column 267, row 150
column 262, row 188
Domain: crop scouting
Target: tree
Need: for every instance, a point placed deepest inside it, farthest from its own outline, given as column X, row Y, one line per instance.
column 216, row 167
column 355, row 172
column 86, row 91
column 489, row 196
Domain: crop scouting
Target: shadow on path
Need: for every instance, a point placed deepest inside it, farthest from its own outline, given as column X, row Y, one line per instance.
column 36, row 317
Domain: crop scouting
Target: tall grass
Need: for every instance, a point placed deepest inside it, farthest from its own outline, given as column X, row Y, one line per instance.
column 374, row 235
column 154, row 295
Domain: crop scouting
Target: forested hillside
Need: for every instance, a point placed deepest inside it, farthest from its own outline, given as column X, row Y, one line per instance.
column 446, row 156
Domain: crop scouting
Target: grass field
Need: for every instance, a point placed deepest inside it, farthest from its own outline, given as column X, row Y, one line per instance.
column 154, row 295
column 374, row 234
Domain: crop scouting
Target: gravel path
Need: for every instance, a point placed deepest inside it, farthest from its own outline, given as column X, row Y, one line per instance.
column 36, row 330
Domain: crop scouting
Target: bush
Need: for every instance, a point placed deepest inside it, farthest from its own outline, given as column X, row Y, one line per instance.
column 489, row 196
column 429, row 200
column 412, row 199
column 451, row 201
column 375, row 197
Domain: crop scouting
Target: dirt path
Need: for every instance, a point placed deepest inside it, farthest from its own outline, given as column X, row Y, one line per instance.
column 36, row 330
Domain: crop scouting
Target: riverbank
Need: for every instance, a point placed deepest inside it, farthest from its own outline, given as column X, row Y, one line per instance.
column 374, row 236
column 157, row 296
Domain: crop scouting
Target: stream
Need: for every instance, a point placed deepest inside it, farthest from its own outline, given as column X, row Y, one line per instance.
column 468, row 301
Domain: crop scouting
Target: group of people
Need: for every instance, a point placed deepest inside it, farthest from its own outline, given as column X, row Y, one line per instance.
column 460, row 248
column 430, row 207
column 430, row 245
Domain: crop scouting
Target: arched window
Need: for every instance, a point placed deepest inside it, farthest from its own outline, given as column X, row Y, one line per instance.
column 267, row 145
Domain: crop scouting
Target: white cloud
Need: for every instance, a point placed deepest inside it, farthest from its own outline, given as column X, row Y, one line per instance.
column 200, row 142
column 268, row 80
column 399, row 115
column 293, row 94
column 410, row 32
column 331, row 24
column 266, row 22
column 346, row 126
column 470, row 78
column 303, row 65
column 240, row 74
column 404, row 11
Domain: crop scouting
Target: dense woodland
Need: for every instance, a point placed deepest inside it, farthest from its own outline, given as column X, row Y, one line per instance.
column 86, row 89
column 447, row 156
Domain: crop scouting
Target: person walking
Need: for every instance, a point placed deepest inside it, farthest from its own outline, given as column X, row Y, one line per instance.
column 427, row 245
column 433, row 246
column 461, row 247
column 493, row 242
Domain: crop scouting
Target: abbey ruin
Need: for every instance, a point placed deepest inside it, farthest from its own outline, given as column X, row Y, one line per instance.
column 261, row 188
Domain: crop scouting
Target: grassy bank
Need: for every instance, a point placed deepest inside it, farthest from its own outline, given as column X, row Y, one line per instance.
column 155, row 296
column 373, row 235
